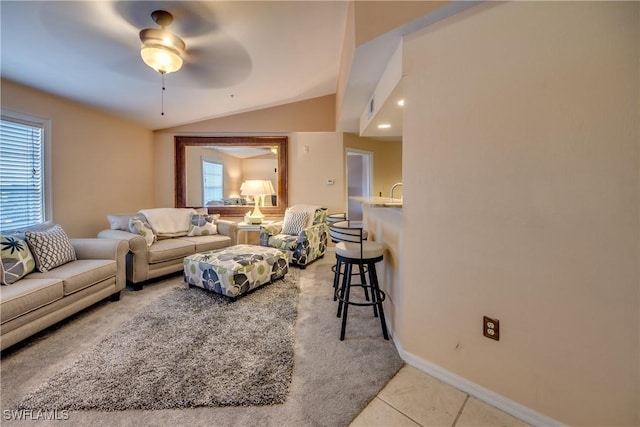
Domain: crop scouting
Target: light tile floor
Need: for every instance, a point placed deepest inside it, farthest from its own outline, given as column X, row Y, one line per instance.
column 413, row 398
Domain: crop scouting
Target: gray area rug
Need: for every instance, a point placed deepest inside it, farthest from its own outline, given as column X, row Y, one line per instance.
column 189, row 348
column 332, row 380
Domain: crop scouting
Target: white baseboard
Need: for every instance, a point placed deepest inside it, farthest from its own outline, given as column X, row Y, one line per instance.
column 492, row 398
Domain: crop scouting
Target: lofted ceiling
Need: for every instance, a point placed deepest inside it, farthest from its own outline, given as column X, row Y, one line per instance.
column 240, row 56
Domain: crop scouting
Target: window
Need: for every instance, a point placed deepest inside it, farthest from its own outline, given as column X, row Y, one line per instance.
column 212, row 185
column 24, row 175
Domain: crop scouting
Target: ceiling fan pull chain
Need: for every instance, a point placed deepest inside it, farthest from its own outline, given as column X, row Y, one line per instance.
column 163, row 89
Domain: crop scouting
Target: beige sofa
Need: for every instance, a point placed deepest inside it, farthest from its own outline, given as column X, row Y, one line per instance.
column 39, row 300
column 164, row 254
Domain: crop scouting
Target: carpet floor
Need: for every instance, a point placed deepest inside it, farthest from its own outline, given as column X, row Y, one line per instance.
column 332, row 381
column 188, row 348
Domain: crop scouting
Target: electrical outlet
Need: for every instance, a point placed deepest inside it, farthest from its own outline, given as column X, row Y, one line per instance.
column 491, row 328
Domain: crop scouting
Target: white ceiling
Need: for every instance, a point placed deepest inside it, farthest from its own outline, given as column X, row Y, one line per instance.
column 241, row 56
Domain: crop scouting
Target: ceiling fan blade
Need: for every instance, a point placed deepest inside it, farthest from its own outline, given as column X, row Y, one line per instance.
column 118, row 50
column 223, row 64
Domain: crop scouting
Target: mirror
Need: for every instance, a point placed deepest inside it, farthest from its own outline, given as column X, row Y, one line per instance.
column 210, row 172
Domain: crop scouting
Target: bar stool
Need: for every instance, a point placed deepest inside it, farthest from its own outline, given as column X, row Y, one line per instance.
column 337, row 267
column 336, row 217
column 352, row 249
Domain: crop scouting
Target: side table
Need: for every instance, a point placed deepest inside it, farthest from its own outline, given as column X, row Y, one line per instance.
column 247, row 227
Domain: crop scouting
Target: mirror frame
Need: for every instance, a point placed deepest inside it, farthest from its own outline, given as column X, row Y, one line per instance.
column 182, row 142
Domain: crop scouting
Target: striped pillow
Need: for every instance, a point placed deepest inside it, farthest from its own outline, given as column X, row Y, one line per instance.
column 294, row 222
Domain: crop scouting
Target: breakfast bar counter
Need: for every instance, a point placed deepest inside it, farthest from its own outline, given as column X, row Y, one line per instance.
column 383, row 221
column 378, row 202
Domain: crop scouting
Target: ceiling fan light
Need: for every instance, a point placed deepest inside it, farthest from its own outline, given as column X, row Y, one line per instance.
column 161, row 58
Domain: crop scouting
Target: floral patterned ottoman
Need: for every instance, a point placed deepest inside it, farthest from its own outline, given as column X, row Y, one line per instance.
column 235, row 270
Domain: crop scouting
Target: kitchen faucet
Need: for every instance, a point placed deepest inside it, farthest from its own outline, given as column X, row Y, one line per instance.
column 397, row 184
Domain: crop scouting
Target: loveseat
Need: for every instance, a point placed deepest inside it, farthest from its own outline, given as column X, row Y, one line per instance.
column 159, row 239
column 303, row 233
column 47, row 277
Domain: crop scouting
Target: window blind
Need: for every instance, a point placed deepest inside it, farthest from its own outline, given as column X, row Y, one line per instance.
column 21, row 174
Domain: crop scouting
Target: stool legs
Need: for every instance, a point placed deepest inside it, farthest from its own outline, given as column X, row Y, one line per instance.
column 366, row 294
column 346, row 288
column 375, row 290
column 342, row 294
column 336, row 278
column 337, row 268
column 363, row 281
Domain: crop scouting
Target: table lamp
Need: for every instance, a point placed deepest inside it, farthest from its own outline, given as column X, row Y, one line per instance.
column 256, row 188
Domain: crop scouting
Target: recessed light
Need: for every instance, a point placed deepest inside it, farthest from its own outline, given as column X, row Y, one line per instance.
column 384, row 126
column 401, row 103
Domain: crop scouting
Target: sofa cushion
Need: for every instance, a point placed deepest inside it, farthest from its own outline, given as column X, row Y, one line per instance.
column 80, row 274
column 28, row 295
column 50, row 248
column 168, row 249
column 203, row 225
column 209, row 243
column 17, row 260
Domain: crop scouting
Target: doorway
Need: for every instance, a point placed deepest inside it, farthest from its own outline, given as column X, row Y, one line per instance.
column 359, row 176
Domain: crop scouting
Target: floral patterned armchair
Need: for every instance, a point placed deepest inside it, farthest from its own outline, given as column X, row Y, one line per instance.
column 305, row 246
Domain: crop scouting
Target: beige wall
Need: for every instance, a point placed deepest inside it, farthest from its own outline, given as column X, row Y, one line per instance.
column 387, row 162
column 374, row 18
column 315, row 158
column 311, row 115
column 100, row 164
column 521, row 171
column 314, row 149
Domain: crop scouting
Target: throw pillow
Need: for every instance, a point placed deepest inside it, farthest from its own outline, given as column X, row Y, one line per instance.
column 119, row 222
column 50, row 248
column 17, row 260
column 138, row 224
column 203, row 225
column 294, row 222
column 309, row 209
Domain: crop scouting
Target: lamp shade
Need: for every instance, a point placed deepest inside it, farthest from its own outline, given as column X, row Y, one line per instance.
column 256, row 187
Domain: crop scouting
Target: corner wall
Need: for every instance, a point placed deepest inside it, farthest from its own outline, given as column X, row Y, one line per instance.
column 521, row 172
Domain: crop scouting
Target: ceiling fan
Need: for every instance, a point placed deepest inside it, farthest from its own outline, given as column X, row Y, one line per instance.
column 161, row 49
column 214, row 59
